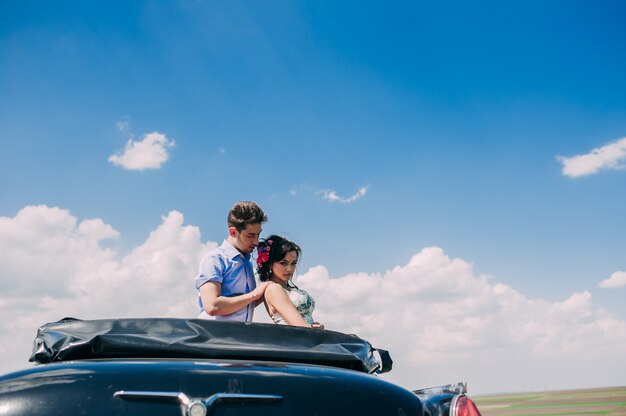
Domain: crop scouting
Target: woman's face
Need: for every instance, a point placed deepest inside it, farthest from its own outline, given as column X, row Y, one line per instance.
column 285, row 268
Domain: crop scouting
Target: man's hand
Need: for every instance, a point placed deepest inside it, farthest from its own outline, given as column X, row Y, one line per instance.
column 258, row 293
column 215, row 304
column 317, row 325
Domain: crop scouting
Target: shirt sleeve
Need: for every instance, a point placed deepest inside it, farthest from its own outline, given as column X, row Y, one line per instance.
column 212, row 269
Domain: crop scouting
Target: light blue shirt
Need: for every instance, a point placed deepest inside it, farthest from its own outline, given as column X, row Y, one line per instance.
column 233, row 270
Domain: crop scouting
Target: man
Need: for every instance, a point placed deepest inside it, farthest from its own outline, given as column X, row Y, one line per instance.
column 226, row 286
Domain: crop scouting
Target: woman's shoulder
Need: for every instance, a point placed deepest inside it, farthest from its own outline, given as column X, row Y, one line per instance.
column 274, row 288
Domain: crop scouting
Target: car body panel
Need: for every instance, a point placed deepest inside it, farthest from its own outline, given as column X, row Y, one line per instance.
column 165, row 366
column 88, row 387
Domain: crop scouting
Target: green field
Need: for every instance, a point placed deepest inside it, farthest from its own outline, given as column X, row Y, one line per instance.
column 610, row 401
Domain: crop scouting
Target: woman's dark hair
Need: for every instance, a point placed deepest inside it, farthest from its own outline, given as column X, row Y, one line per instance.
column 278, row 249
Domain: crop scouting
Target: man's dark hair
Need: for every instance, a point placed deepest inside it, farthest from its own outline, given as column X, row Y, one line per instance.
column 244, row 213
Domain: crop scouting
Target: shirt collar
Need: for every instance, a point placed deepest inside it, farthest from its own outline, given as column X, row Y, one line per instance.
column 232, row 252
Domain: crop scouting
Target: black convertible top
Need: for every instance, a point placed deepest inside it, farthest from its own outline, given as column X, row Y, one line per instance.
column 75, row 339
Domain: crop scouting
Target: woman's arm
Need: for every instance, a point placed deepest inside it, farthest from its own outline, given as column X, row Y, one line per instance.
column 278, row 299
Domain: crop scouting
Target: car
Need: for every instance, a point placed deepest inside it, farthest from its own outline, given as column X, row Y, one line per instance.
column 196, row 367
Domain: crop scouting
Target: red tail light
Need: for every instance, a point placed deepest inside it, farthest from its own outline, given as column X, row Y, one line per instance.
column 463, row 406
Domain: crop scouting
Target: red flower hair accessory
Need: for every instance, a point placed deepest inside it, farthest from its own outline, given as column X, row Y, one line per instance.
column 263, row 252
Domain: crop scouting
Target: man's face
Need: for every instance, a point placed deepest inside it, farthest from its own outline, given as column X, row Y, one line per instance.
column 247, row 239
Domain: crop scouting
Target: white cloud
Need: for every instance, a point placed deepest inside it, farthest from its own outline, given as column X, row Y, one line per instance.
column 303, row 187
column 123, row 126
column 149, row 153
column 440, row 321
column 610, row 156
column 332, row 196
column 328, row 194
column 617, row 279
column 442, row 324
column 42, row 247
column 53, row 266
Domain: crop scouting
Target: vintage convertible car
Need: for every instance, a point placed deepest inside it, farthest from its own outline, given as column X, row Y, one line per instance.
column 199, row 367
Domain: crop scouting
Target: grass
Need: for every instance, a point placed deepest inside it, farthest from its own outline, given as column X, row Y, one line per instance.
column 610, row 401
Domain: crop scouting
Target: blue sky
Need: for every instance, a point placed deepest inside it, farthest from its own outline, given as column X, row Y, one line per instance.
column 449, row 119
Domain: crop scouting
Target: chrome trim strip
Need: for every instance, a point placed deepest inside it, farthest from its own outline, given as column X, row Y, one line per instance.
column 163, row 395
column 239, row 397
column 458, row 388
column 186, row 402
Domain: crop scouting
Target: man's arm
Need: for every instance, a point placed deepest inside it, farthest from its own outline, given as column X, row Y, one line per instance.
column 217, row 305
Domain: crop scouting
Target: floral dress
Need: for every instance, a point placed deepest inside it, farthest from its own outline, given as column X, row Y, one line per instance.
column 303, row 302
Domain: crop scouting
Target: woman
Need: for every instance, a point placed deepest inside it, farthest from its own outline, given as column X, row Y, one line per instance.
column 286, row 304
